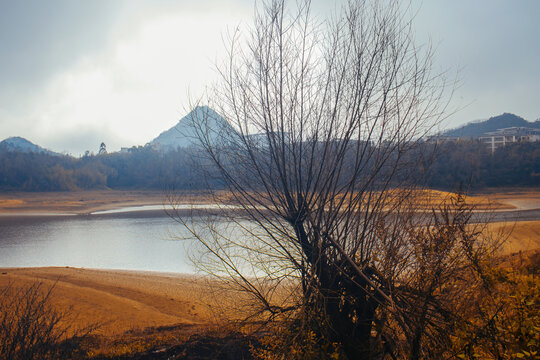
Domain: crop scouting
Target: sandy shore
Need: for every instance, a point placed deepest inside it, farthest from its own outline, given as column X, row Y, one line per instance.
column 135, row 311
column 519, row 198
column 85, row 202
column 118, row 300
column 522, row 236
column 76, row 202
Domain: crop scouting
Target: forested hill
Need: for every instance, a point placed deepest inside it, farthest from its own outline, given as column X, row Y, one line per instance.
column 467, row 162
column 505, row 120
column 20, row 144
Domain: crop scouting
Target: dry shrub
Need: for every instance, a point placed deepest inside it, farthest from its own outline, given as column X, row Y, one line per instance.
column 503, row 322
column 31, row 328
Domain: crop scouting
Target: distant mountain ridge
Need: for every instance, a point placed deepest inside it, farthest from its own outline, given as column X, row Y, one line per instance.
column 505, row 120
column 20, row 144
column 183, row 134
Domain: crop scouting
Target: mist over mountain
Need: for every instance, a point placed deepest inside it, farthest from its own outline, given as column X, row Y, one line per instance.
column 184, row 133
column 19, row 144
column 478, row 128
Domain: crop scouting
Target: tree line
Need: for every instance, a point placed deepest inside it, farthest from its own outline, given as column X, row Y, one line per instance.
column 472, row 163
column 453, row 163
column 139, row 168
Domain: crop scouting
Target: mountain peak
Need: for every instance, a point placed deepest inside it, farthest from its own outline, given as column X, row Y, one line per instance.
column 184, row 133
column 17, row 143
column 17, row 140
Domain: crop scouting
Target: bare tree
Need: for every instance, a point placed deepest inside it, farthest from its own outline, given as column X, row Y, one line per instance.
column 321, row 122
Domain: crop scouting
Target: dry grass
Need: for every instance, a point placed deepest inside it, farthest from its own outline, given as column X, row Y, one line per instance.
column 32, row 328
column 427, row 199
column 523, row 236
column 424, row 199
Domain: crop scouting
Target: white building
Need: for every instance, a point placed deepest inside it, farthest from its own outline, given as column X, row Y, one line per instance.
column 509, row 135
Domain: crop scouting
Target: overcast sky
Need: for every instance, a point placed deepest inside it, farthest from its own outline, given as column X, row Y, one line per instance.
column 74, row 73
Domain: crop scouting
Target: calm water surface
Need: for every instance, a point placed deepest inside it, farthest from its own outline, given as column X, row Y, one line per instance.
column 118, row 241
column 142, row 238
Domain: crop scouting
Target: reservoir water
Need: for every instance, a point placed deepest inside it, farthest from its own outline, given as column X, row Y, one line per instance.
column 131, row 241
column 141, row 238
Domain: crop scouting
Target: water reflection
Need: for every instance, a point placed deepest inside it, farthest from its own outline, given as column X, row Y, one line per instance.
column 166, row 207
column 129, row 242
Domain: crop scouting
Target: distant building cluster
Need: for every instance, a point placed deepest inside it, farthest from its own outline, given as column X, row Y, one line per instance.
column 501, row 137
column 498, row 138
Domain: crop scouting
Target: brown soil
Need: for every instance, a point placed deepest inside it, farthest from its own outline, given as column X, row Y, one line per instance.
column 119, row 300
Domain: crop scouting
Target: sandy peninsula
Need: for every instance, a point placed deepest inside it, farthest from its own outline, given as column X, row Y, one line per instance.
column 85, row 202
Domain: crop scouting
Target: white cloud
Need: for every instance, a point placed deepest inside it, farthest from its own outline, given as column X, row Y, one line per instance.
column 139, row 86
column 145, row 55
